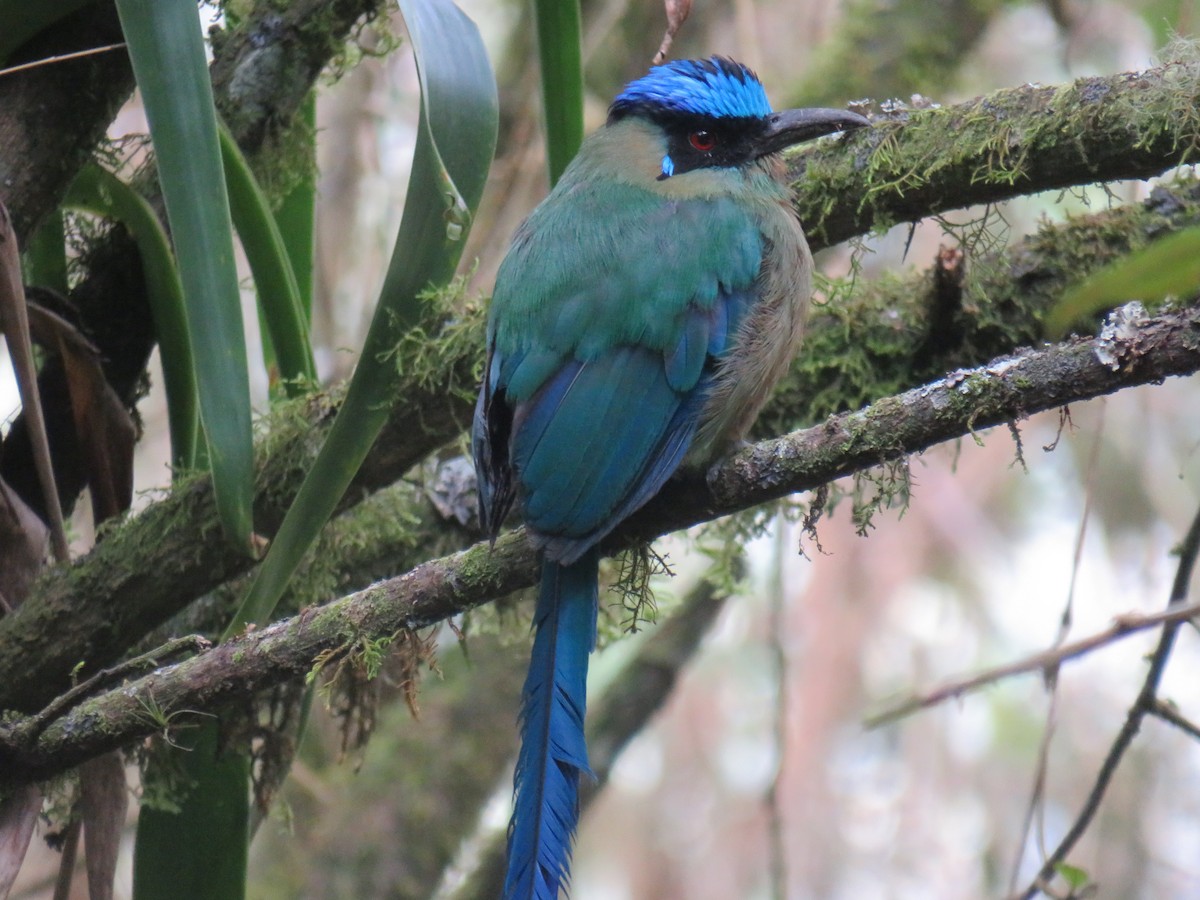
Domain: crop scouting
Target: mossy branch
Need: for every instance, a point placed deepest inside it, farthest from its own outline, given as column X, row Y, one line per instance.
column 915, row 163
column 152, row 566
column 1142, row 351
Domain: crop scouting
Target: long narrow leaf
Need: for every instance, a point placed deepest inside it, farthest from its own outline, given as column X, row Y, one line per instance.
column 19, row 812
column 455, row 143
column 14, row 325
column 200, row 851
column 98, row 191
column 296, row 214
column 167, row 50
column 278, row 291
column 560, row 50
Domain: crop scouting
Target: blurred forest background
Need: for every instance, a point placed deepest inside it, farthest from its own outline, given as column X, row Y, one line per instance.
column 758, row 777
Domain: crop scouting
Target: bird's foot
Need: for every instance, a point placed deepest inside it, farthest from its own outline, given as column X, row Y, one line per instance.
column 732, row 448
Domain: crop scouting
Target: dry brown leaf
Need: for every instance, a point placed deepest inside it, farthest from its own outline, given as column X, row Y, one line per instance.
column 103, row 802
column 677, row 13
column 18, row 814
column 24, row 540
column 14, row 323
column 105, row 430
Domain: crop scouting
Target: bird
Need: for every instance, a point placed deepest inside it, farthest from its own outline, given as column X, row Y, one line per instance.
column 639, row 320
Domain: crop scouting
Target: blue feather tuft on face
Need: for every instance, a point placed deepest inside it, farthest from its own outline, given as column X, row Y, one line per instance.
column 717, row 87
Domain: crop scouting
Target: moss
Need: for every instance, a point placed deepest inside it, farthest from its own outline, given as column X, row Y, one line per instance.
column 1175, row 112
column 632, row 586
column 987, row 149
column 432, row 356
column 874, row 339
column 351, row 689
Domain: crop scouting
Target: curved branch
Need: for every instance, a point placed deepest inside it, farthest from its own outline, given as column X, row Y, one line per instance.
column 1144, row 351
column 916, row 163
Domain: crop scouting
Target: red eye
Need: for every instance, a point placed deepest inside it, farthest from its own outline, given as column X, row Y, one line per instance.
column 702, row 140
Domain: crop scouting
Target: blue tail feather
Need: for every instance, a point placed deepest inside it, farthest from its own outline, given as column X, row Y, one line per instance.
column 553, row 753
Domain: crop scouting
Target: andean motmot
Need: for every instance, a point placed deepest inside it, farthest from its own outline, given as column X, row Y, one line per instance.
column 642, row 315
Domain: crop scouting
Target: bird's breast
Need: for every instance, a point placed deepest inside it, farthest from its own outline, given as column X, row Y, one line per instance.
column 766, row 341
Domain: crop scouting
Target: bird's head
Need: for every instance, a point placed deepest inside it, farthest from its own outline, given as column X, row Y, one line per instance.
column 714, row 113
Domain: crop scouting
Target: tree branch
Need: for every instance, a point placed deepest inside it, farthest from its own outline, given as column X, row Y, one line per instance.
column 1043, row 661
column 52, row 116
column 164, row 558
column 916, row 163
column 1145, row 351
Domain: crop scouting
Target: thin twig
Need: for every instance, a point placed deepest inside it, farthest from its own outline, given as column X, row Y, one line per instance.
column 1144, row 705
column 153, row 659
column 677, row 13
column 49, row 60
column 1123, row 626
column 1037, row 807
column 1168, row 713
column 778, row 650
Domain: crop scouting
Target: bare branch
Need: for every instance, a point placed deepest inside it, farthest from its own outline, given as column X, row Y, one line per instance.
column 1168, row 713
column 1146, row 704
column 1044, row 661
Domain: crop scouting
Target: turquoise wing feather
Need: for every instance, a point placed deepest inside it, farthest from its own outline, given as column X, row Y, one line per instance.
column 598, row 367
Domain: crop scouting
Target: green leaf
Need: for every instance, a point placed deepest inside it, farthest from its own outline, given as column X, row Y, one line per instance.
column 278, row 290
column 45, row 259
column 560, row 50
column 166, row 48
column 296, row 214
column 198, row 851
column 455, row 142
column 98, row 191
column 1168, row 267
column 1075, row 877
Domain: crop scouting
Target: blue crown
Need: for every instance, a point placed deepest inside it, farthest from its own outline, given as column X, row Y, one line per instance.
column 717, row 87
